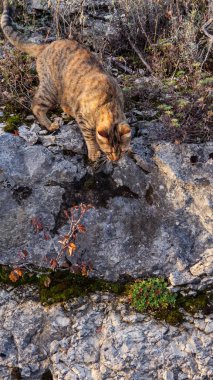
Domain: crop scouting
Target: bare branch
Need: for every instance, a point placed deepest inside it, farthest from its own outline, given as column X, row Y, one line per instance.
column 210, row 36
column 122, row 66
column 205, row 28
column 137, row 51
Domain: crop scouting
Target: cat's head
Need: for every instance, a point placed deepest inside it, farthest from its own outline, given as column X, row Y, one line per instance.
column 114, row 142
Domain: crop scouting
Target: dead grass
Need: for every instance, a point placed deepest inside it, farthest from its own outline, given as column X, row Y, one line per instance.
column 167, row 34
column 18, row 79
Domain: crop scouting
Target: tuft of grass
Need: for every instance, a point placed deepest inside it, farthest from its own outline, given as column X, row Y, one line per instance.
column 151, row 294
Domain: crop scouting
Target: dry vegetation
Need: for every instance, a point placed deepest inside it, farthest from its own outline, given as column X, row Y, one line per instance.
column 162, row 37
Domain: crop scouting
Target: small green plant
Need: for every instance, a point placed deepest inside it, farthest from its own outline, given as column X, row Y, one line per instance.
column 164, row 107
column 151, row 294
column 12, row 123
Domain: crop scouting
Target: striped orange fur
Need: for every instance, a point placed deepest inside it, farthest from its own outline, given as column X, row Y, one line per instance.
column 71, row 76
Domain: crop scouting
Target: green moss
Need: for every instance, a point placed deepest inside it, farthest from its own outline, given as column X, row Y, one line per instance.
column 182, row 103
column 64, row 286
column 172, row 316
column 196, row 303
column 12, row 123
column 175, row 122
column 57, row 286
column 180, row 73
column 12, row 119
column 165, row 107
column 4, row 273
column 206, row 81
column 202, row 302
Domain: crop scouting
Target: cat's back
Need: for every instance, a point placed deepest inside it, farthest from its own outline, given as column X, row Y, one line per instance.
column 63, row 55
column 76, row 75
column 66, row 62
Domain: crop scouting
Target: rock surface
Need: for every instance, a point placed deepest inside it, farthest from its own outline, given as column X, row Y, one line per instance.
column 97, row 338
column 152, row 216
column 96, row 20
column 141, row 219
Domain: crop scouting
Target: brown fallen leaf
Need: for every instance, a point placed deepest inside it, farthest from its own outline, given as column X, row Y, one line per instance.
column 16, row 274
column 84, row 270
column 81, row 228
column 54, row 263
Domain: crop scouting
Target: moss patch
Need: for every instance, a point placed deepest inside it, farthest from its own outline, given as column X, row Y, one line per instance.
column 12, row 123
column 64, row 285
column 56, row 286
column 12, row 118
column 171, row 316
column 201, row 302
column 61, row 285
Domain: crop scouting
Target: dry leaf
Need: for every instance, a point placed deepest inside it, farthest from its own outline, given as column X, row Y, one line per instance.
column 18, row 271
column 71, row 248
column 66, row 214
column 65, row 265
column 54, row 263
column 84, row 270
column 15, row 275
column 25, row 253
column 63, row 240
column 76, row 269
column 81, row 228
column 46, row 236
column 177, row 142
column 37, row 225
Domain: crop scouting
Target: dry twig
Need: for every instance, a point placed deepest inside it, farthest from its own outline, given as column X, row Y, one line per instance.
column 210, row 36
column 122, row 66
column 137, row 51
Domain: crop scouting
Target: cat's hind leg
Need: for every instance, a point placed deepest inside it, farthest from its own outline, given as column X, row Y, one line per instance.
column 43, row 102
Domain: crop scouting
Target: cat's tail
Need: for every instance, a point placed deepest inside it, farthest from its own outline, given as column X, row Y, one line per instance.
column 14, row 36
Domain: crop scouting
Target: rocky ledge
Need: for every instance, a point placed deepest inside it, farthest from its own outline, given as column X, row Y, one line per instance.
column 152, row 210
column 97, row 338
column 151, row 217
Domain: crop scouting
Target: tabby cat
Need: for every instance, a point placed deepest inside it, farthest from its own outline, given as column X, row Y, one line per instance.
column 71, row 76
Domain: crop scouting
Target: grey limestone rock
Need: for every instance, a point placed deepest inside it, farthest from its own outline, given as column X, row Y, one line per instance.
column 28, row 135
column 156, row 222
column 96, row 338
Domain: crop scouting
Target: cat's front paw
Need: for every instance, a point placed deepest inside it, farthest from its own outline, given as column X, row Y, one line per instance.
column 56, row 124
column 94, row 155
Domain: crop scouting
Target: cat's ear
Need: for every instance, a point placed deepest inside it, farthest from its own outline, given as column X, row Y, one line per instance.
column 124, row 130
column 103, row 134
